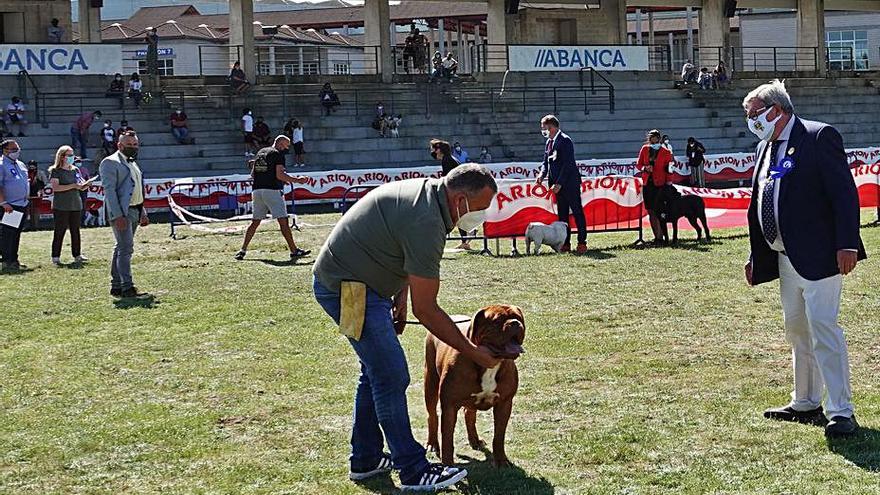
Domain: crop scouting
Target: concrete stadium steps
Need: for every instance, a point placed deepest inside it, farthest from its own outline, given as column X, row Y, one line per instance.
column 460, row 111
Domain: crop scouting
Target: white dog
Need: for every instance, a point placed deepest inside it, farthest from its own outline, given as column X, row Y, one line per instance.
column 553, row 235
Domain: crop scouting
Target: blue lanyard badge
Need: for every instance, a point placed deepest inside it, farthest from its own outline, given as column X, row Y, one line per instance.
column 14, row 170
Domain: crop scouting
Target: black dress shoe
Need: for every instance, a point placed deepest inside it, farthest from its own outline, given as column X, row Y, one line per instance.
column 116, row 292
column 811, row 417
column 131, row 292
column 841, row 426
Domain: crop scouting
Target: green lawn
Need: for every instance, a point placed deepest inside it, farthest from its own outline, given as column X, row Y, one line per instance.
column 646, row 373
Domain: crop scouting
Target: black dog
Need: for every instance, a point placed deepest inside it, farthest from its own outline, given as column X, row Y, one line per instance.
column 671, row 205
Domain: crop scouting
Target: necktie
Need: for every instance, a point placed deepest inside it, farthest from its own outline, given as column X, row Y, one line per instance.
column 768, row 207
column 549, row 145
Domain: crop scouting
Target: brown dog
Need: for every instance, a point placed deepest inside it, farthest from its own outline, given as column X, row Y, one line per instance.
column 456, row 381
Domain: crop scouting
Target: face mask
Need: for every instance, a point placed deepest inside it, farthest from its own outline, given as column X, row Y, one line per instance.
column 458, row 148
column 655, row 146
column 107, row 125
column 69, row 159
column 130, row 153
column 472, row 219
column 545, row 133
column 762, row 127
column 179, row 112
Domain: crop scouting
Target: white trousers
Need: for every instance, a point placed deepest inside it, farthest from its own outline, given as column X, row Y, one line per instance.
column 818, row 348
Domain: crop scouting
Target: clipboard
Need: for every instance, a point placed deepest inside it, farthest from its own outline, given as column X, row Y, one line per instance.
column 13, row 219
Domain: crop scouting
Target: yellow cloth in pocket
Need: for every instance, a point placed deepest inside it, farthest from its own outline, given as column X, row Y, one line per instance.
column 353, row 307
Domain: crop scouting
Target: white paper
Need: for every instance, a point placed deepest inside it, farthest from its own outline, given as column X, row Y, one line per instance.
column 13, row 219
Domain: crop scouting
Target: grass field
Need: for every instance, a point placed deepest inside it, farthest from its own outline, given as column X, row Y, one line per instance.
column 646, row 373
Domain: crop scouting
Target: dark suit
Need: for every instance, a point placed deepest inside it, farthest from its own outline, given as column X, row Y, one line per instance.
column 818, row 206
column 560, row 168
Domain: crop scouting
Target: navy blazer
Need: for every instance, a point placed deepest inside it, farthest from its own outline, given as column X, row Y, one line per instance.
column 818, row 206
column 559, row 166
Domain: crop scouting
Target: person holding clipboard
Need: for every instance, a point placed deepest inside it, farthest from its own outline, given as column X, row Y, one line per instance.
column 14, row 189
column 67, row 183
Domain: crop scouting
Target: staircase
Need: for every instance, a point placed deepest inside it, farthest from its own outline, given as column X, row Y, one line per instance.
column 463, row 111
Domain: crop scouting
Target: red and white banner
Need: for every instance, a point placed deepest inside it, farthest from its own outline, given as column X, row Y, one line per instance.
column 330, row 186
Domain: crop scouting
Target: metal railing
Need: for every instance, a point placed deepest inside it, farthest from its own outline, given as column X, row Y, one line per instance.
column 82, row 102
column 24, row 81
column 759, row 58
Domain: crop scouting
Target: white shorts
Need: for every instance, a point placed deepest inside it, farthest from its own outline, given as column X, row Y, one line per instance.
column 268, row 201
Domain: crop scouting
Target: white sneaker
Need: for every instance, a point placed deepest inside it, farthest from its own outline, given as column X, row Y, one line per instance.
column 56, row 261
column 81, row 259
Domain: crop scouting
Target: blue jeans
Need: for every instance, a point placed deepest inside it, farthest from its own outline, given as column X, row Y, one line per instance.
column 380, row 397
column 180, row 133
column 78, row 142
column 120, row 265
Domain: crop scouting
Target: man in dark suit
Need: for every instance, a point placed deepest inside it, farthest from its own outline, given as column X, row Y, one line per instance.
column 804, row 230
column 564, row 179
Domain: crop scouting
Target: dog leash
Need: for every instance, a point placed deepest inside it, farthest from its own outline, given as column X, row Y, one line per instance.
column 410, row 322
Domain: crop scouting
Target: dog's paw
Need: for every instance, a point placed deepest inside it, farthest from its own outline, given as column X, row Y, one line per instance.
column 433, row 448
column 477, row 444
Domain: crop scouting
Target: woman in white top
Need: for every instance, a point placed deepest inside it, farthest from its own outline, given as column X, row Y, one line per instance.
column 134, row 89
column 298, row 149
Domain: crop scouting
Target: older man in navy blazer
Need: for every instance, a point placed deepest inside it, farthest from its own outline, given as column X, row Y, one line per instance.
column 804, row 230
column 564, row 180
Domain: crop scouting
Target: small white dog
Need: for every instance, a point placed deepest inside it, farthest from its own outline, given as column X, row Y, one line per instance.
column 552, row 235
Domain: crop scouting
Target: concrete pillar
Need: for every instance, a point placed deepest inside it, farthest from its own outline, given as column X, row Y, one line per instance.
column 466, row 53
column 811, row 30
column 271, row 60
column 622, row 27
column 89, row 23
column 714, row 33
column 377, row 43
column 241, row 33
column 672, row 50
column 441, row 37
column 496, row 36
column 690, row 33
column 458, row 41
column 650, row 27
column 638, row 26
column 302, row 64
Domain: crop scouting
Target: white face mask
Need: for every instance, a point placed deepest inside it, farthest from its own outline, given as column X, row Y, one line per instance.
column 762, row 127
column 545, row 133
column 14, row 155
column 655, row 146
column 470, row 220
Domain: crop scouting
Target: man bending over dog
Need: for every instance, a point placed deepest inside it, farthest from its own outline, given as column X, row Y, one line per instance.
column 389, row 242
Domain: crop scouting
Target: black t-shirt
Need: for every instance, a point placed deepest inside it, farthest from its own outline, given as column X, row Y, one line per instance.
column 265, row 164
column 448, row 163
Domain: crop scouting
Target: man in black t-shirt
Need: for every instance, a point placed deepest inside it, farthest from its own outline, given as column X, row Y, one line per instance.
column 267, row 170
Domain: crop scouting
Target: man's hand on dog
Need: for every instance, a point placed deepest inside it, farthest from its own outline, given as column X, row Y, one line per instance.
column 483, row 357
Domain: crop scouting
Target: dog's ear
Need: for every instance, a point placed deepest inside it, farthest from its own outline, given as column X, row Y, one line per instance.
column 478, row 321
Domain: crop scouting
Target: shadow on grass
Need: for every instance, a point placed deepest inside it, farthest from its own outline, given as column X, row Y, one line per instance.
column 862, row 449
column 147, row 301
column 484, row 478
column 279, row 263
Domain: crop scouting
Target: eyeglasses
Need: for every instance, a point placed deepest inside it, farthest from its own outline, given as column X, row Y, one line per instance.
column 755, row 113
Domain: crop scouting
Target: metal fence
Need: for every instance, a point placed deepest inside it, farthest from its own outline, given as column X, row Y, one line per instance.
column 776, row 58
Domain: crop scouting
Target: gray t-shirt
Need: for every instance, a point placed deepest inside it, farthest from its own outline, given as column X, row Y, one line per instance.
column 68, row 200
column 398, row 229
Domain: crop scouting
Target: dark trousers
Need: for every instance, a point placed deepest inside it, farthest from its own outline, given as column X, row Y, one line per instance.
column 570, row 203
column 64, row 221
column 10, row 238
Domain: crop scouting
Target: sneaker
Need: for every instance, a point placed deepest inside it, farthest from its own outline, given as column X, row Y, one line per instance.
column 116, row 292
column 434, row 477
column 566, row 248
column 80, row 259
column 384, row 466
column 56, row 260
column 299, row 253
column 240, row 254
column 581, row 248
